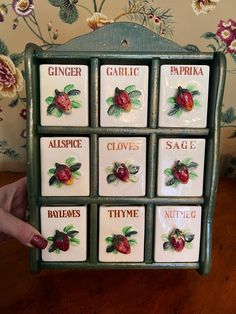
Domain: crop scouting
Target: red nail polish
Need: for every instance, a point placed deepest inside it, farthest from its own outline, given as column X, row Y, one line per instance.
column 39, row 242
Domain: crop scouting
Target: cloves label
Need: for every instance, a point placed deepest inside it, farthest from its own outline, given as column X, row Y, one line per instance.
column 122, row 166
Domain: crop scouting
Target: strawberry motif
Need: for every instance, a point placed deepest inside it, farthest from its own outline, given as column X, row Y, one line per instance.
column 64, row 173
column 121, row 172
column 177, row 243
column 122, row 99
column 184, row 99
column 180, row 172
column 61, row 241
column 121, row 244
column 177, row 240
column 62, row 101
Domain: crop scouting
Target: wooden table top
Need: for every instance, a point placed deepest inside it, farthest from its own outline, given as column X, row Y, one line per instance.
column 125, row 291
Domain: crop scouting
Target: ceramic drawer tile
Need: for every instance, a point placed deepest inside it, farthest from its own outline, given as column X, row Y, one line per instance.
column 66, row 231
column 177, row 233
column 65, row 166
column 121, row 233
column 180, row 167
column 64, row 95
column 124, row 95
column 184, row 96
column 122, row 166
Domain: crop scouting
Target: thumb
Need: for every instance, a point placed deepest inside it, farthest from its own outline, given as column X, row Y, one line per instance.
column 21, row 230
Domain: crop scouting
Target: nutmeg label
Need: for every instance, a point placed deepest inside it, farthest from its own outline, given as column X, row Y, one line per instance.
column 177, row 233
column 65, row 228
column 180, row 167
column 65, row 167
column 63, row 95
column 184, row 96
column 122, row 166
column 121, row 233
column 123, row 95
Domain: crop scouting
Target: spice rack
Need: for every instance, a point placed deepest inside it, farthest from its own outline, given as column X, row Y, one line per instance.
column 102, row 49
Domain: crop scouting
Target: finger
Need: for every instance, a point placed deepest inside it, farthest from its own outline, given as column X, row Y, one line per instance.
column 20, row 230
column 13, row 196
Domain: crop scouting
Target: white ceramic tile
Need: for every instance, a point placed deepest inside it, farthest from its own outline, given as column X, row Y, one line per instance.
column 133, row 80
column 71, row 222
column 177, row 233
column 72, row 179
column 72, row 83
column 194, row 78
column 121, row 233
column 128, row 156
column 187, row 155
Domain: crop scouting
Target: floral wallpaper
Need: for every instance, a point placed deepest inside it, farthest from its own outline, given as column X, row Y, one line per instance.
column 197, row 25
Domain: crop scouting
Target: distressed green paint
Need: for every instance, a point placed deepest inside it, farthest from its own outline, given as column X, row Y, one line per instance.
column 124, row 43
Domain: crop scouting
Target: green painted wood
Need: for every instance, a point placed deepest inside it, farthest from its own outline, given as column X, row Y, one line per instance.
column 117, row 43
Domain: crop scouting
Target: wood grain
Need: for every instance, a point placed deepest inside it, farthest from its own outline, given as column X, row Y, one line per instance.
column 125, row 291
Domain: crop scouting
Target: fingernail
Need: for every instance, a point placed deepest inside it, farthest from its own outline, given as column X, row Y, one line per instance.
column 39, row 242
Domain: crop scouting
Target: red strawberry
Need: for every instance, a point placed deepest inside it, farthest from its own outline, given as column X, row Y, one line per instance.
column 63, row 174
column 62, row 101
column 184, row 99
column 180, row 172
column 121, row 172
column 121, row 244
column 61, row 241
column 176, row 240
column 122, row 99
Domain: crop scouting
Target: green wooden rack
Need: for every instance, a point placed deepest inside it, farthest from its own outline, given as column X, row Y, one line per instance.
column 131, row 44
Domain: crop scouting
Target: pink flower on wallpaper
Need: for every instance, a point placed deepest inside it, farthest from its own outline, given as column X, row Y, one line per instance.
column 23, row 7
column 11, row 79
column 227, row 33
column 232, row 47
column 204, row 6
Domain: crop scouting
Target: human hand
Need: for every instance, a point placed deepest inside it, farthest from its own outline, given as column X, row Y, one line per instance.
column 13, row 202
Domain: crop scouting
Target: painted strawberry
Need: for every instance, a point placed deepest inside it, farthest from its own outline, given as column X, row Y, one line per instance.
column 121, row 244
column 180, row 172
column 62, row 101
column 64, row 173
column 177, row 241
column 184, row 99
column 61, row 241
column 121, row 172
column 122, row 99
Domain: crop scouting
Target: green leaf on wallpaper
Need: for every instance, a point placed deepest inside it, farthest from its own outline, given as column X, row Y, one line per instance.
column 3, row 48
column 212, row 47
column 56, row 3
column 210, row 35
column 14, row 102
column 191, row 48
column 17, row 58
column 228, row 116
column 68, row 12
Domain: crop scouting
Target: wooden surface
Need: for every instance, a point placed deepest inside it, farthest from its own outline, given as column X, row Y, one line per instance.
column 126, row 291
